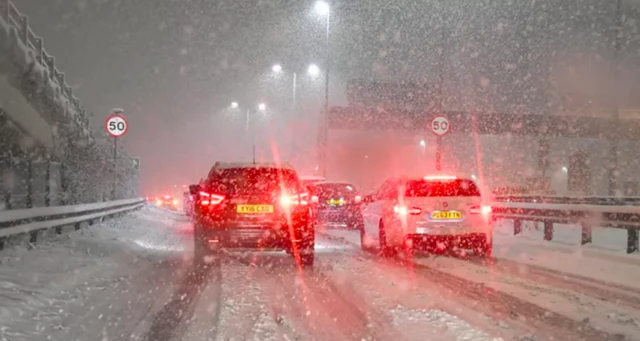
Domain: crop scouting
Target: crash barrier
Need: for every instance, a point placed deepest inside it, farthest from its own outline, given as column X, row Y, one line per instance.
column 588, row 212
column 32, row 221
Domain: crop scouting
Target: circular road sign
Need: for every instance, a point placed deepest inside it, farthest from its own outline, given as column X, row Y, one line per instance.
column 116, row 125
column 440, row 125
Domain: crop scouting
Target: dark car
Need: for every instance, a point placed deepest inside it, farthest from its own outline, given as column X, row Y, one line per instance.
column 253, row 206
column 337, row 204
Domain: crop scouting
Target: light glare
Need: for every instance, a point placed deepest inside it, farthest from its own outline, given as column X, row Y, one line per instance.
column 322, row 8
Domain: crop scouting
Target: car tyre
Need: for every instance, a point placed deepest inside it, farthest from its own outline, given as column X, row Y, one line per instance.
column 385, row 249
column 306, row 250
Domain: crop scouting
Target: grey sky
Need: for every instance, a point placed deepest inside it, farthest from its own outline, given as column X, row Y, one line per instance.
column 174, row 65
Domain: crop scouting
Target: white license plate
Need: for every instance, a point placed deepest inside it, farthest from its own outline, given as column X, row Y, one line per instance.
column 421, row 230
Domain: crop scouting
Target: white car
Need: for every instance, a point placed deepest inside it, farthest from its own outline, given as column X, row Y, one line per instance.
column 433, row 213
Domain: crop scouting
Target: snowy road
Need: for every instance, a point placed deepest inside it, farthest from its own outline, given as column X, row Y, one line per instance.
column 132, row 279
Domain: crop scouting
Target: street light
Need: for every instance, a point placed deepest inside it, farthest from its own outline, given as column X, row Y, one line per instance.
column 234, row 105
column 262, row 107
column 313, row 70
column 277, row 68
column 322, row 8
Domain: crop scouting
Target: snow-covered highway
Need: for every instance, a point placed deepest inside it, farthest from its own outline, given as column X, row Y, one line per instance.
column 132, row 279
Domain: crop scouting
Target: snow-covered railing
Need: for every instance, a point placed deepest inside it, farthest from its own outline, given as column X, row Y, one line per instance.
column 31, row 221
column 591, row 200
column 601, row 213
column 10, row 14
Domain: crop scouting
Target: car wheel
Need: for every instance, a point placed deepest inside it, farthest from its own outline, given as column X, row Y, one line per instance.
column 202, row 254
column 484, row 250
column 306, row 249
column 385, row 250
column 363, row 237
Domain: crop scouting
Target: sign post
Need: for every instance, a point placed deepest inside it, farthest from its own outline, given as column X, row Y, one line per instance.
column 440, row 126
column 116, row 126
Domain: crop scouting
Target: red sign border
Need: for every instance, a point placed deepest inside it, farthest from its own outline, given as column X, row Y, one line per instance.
column 431, row 125
column 106, row 125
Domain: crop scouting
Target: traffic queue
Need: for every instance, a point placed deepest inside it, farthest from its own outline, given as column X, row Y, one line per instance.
column 434, row 213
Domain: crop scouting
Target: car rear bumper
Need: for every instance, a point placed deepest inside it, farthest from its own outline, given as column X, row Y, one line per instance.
column 243, row 236
column 434, row 242
column 344, row 218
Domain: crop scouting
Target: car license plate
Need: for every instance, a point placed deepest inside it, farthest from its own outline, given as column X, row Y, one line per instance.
column 335, row 202
column 421, row 230
column 249, row 209
column 446, row 215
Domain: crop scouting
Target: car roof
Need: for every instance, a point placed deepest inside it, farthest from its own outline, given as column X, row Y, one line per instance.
column 333, row 183
column 229, row 165
column 433, row 177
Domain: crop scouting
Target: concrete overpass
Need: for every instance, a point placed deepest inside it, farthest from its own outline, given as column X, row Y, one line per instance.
column 47, row 151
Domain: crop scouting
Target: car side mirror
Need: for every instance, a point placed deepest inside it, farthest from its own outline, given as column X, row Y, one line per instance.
column 194, row 189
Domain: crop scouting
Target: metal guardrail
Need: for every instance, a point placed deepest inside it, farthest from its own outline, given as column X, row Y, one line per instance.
column 10, row 14
column 31, row 221
column 588, row 212
column 619, row 201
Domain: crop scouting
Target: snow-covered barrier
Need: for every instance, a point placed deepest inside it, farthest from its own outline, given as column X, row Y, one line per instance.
column 32, row 221
column 30, row 69
column 588, row 212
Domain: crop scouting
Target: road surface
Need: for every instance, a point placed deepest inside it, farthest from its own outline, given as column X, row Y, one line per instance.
column 132, row 279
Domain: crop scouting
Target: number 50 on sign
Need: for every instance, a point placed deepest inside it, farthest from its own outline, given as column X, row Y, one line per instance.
column 116, row 125
column 440, row 125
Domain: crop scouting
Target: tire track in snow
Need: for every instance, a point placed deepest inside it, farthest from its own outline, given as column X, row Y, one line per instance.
column 499, row 304
column 171, row 322
column 311, row 300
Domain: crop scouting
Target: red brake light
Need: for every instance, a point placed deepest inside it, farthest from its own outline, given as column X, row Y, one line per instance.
column 301, row 199
column 210, row 199
column 485, row 210
column 403, row 210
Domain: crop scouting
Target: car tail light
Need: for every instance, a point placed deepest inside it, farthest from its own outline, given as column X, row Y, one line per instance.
column 358, row 199
column 158, row 202
column 298, row 199
column 403, row 210
column 210, row 199
column 480, row 209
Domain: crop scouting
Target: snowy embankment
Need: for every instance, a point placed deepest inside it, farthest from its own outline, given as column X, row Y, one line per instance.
column 43, row 286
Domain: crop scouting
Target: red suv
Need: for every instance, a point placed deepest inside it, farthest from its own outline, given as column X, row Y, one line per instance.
column 252, row 206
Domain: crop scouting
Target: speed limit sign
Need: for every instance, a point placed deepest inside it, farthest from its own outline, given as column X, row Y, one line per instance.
column 116, row 125
column 440, row 125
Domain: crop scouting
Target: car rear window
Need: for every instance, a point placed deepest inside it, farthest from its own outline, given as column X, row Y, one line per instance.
column 332, row 189
column 454, row 188
column 252, row 180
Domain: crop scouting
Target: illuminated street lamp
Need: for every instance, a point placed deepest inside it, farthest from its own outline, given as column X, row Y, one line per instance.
column 313, row 70
column 262, row 107
column 322, row 8
column 277, row 68
column 234, row 105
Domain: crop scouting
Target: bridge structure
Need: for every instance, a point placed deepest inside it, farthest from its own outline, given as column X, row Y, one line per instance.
column 383, row 132
column 49, row 154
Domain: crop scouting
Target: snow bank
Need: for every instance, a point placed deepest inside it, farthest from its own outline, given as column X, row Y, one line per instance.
column 36, row 277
